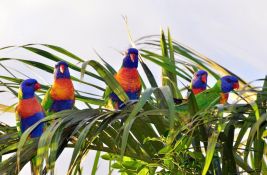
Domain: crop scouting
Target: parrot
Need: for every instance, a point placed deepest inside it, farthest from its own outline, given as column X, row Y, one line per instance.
column 60, row 96
column 128, row 78
column 199, row 82
column 29, row 111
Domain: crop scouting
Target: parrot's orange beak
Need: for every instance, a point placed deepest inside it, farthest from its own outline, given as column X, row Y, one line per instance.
column 132, row 56
column 236, row 85
column 62, row 68
column 37, row 86
column 204, row 78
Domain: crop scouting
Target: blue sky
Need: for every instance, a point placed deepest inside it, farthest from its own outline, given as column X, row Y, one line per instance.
column 233, row 33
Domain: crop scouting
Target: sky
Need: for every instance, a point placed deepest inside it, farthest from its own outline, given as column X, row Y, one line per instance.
column 232, row 33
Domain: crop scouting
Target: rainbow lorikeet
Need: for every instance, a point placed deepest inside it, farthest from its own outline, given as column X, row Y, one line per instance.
column 128, row 78
column 199, row 82
column 29, row 110
column 61, row 95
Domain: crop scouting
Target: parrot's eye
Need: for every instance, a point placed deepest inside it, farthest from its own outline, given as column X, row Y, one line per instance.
column 228, row 80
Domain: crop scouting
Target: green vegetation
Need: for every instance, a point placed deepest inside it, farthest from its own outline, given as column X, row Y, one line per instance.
column 154, row 138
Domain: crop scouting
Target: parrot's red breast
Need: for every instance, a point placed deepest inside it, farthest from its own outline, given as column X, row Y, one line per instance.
column 197, row 90
column 28, row 107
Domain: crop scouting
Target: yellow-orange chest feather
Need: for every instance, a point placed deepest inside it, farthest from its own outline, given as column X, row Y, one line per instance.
column 224, row 98
column 129, row 79
column 62, row 89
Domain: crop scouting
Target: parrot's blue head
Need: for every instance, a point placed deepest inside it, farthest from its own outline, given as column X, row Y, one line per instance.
column 229, row 83
column 61, row 70
column 200, row 80
column 131, row 59
column 28, row 87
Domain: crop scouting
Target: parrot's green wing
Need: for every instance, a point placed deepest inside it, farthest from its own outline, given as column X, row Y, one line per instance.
column 204, row 99
column 209, row 97
column 47, row 102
